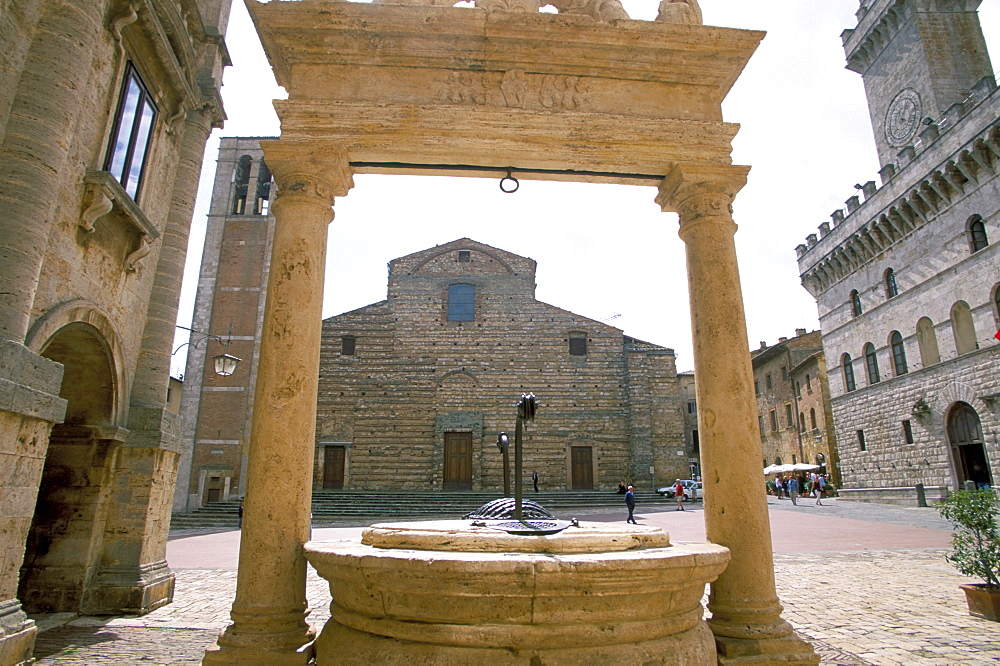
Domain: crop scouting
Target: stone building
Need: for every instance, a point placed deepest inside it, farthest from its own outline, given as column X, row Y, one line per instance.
column 689, row 405
column 105, row 108
column 415, row 389
column 907, row 280
column 793, row 402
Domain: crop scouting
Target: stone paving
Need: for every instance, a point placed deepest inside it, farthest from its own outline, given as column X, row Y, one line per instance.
column 865, row 607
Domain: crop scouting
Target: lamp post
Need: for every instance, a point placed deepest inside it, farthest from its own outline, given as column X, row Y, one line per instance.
column 225, row 363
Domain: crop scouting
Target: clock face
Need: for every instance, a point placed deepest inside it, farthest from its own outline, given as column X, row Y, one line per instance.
column 903, row 117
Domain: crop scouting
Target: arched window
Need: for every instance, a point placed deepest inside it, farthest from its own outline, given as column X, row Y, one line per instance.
column 241, row 182
column 927, row 340
column 977, row 234
column 871, row 361
column 898, row 353
column 855, row 303
column 848, row 365
column 812, row 417
column 802, row 421
column 461, row 302
column 963, row 328
column 891, row 286
column 262, row 202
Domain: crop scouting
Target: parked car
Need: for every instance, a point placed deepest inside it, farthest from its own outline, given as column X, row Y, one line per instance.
column 692, row 490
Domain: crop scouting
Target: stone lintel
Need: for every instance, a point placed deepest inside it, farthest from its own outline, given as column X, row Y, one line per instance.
column 525, row 140
column 340, row 33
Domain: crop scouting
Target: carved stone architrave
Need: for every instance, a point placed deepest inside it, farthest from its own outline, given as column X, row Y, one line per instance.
column 104, row 196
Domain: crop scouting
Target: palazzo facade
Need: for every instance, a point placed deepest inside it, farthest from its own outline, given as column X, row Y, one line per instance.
column 907, row 280
column 105, row 108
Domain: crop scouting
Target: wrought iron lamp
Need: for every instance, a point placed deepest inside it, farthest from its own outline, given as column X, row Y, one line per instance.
column 225, row 363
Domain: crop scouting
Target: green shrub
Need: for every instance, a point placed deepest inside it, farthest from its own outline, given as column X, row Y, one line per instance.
column 975, row 545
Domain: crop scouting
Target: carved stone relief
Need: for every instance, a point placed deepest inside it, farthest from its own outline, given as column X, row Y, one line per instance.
column 602, row 10
column 517, row 89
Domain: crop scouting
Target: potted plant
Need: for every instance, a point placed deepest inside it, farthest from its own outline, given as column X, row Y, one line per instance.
column 975, row 547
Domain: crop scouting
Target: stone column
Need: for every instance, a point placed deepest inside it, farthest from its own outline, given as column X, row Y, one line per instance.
column 746, row 614
column 34, row 149
column 269, row 613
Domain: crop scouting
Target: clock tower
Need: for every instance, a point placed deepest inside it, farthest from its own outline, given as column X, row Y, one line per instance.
column 917, row 59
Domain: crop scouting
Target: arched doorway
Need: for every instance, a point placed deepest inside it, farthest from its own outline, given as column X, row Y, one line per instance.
column 965, row 433
column 65, row 538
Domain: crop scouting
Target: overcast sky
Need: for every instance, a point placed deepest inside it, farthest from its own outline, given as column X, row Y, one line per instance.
column 604, row 250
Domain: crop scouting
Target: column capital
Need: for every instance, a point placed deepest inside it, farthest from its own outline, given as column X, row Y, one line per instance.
column 311, row 169
column 701, row 190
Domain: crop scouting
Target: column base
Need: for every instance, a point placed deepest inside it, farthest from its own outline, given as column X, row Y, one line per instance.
column 788, row 650
column 17, row 635
column 251, row 656
column 130, row 590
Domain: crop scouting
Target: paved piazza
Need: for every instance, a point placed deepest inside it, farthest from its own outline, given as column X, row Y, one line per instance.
column 867, row 584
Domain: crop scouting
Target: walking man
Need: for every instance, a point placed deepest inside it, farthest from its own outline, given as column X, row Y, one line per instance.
column 793, row 489
column 630, row 503
column 820, row 487
column 534, row 479
column 679, row 494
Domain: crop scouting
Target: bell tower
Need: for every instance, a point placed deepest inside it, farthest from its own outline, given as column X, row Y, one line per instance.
column 917, row 58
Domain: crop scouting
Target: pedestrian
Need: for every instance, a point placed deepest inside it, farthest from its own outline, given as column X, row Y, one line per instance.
column 239, row 525
column 778, row 487
column 630, row 503
column 534, row 479
column 820, row 487
column 793, row 489
column 621, row 488
column 679, row 494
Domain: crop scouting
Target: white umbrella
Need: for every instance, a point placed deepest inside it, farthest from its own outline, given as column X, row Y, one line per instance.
column 772, row 469
column 797, row 467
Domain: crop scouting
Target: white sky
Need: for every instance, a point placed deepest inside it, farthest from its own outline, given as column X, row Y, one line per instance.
column 607, row 249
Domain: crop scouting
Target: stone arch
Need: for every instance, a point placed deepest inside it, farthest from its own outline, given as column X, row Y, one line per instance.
column 964, row 429
column 927, row 341
column 963, row 327
column 65, row 541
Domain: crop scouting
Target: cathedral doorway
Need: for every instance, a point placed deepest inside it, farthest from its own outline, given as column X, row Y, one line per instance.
column 582, row 467
column 458, row 461
column 333, row 466
column 965, row 432
column 65, row 539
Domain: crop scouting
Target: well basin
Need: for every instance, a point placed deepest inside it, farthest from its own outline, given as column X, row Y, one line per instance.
column 449, row 592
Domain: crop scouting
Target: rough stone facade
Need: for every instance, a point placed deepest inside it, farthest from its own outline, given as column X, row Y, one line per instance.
column 105, row 108
column 793, row 402
column 906, row 281
column 407, row 393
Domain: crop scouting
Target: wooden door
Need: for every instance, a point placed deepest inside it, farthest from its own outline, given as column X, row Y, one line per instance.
column 458, row 461
column 582, row 460
column 333, row 466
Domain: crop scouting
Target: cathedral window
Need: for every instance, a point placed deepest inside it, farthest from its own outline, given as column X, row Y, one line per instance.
column 464, row 256
column 898, row 353
column 133, row 131
column 241, row 184
column 347, row 344
column 891, row 286
column 871, row 360
column 577, row 344
column 856, row 303
column 848, row 366
column 977, row 234
column 461, row 302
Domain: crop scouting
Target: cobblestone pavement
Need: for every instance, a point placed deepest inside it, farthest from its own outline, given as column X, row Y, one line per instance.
column 859, row 608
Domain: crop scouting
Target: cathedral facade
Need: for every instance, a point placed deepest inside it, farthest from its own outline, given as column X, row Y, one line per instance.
column 105, row 109
column 907, row 279
column 416, row 389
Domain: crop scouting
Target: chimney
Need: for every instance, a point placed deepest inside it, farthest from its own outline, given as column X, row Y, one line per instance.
column 782, row 340
column 799, row 332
